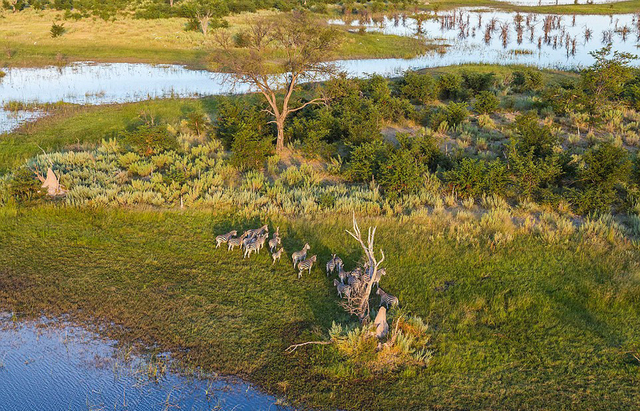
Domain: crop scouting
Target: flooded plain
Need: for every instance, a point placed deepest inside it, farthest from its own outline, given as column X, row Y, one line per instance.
column 69, row 368
column 461, row 36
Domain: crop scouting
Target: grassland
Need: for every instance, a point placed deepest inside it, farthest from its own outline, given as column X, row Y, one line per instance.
column 533, row 324
column 25, row 41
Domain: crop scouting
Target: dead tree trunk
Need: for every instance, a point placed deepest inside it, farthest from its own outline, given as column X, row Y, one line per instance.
column 359, row 305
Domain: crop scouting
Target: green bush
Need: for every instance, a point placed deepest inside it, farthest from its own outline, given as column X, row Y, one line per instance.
column 450, row 86
column 24, row 186
column 418, row 87
column 250, row 150
column 528, row 80
column 477, row 82
column 57, row 30
column 532, row 136
column 473, row 178
column 486, row 103
column 456, row 113
column 148, row 140
column 401, row 174
column 366, row 160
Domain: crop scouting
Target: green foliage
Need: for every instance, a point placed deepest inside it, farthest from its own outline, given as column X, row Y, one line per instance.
column 367, row 160
column 527, row 81
column 601, row 169
column 401, row 174
column 57, row 30
column 420, row 88
column 250, row 149
column 451, row 86
column 148, row 140
column 532, row 176
column 486, row 103
column 453, row 113
column 540, row 140
column 24, row 186
column 475, row 178
column 477, row 82
column 234, row 115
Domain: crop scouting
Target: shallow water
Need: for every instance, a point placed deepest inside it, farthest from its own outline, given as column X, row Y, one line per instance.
column 556, row 2
column 564, row 45
column 49, row 367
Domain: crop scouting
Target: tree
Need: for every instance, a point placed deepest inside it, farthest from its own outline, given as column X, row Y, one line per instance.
column 358, row 304
column 205, row 12
column 605, row 79
column 301, row 45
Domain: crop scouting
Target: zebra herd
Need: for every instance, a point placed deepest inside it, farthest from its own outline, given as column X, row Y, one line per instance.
column 349, row 284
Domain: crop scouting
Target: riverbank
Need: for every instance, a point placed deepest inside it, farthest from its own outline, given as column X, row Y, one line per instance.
column 507, row 321
column 621, row 7
column 26, row 41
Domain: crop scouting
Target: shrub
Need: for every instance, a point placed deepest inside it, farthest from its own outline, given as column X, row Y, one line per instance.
column 420, row 88
column 401, row 174
column 148, row 140
column 24, row 186
column 532, row 136
column 2, row 74
column 366, row 160
column 477, row 82
column 249, row 150
column 528, row 80
column 456, row 113
column 450, row 86
column 486, row 102
column 472, row 178
column 57, row 30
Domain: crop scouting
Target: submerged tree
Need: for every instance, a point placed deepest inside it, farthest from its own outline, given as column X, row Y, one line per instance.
column 276, row 57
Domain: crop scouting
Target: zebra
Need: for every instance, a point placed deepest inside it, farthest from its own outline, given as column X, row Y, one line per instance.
column 379, row 274
column 260, row 241
column 300, row 255
column 223, row 238
column 342, row 275
column 252, row 247
column 276, row 256
column 333, row 264
column 386, row 298
column 236, row 242
column 343, row 289
column 274, row 242
column 258, row 231
column 306, row 265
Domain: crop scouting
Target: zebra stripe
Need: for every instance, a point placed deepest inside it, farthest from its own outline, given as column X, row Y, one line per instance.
column 306, row 265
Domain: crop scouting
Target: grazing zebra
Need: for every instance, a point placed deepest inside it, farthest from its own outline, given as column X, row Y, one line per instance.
column 236, row 242
column 276, row 256
column 342, row 275
column 333, row 264
column 300, row 255
column 252, row 247
column 386, row 298
column 306, row 265
column 261, row 240
column 379, row 274
column 223, row 238
column 274, row 242
column 258, row 231
column 343, row 289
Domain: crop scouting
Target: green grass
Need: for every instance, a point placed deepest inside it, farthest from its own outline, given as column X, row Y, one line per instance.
column 25, row 41
column 527, row 325
column 86, row 125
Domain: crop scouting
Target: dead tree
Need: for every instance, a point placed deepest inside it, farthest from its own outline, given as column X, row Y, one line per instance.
column 358, row 303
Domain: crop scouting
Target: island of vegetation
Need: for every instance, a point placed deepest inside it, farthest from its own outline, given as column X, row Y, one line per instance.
column 463, row 237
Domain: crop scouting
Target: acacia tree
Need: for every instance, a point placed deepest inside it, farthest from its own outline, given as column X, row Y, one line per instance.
column 205, row 12
column 277, row 56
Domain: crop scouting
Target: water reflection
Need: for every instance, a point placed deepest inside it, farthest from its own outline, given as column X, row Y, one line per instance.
column 47, row 367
